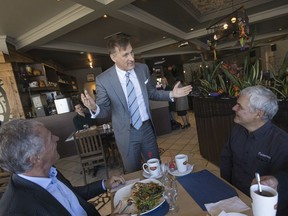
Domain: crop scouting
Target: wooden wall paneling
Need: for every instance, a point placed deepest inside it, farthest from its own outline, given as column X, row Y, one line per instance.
column 10, row 103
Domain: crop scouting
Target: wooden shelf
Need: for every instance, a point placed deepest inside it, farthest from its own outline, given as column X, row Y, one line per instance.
column 49, row 88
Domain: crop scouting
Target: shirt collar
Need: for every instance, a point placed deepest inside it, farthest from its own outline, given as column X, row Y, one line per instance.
column 259, row 133
column 121, row 73
column 43, row 181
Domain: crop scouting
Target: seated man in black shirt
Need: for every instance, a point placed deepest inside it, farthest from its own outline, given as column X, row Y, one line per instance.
column 82, row 118
column 255, row 143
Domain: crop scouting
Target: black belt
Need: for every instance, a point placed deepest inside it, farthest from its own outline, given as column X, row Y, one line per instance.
column 144, row 122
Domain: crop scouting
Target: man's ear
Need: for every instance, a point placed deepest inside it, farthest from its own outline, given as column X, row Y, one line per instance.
column 34, row 159
column 260, row 113
column 113, row 57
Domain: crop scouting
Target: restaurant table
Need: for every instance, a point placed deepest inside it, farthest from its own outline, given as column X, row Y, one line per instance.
column 187, row 205
column 98, row 129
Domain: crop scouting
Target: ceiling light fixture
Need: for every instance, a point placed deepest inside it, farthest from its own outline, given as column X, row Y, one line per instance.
column 183, row 44
column 234, row 26
column 91, row 64
column 159, row 62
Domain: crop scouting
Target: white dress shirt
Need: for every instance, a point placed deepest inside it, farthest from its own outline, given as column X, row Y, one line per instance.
column 139, row 95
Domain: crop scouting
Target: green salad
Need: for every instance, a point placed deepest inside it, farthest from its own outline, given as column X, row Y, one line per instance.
column 146, row 195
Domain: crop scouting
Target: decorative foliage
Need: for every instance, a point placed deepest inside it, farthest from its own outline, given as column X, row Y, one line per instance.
column 280, row 80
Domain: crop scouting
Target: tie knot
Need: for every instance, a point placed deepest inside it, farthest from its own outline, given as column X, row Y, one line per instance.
column 127, row 74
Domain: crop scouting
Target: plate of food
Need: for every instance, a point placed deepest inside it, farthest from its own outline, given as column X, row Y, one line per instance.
column 145, row 196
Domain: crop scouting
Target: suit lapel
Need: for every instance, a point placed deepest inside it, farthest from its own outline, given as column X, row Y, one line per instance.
column 49, row 203
column 116, row 85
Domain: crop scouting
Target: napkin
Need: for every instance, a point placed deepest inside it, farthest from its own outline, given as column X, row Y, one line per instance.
column 223, row 213
column 123, row 185
column 233, row 204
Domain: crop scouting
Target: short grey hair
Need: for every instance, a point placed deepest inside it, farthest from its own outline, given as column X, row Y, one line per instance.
column 19, row 141
column 261, row 98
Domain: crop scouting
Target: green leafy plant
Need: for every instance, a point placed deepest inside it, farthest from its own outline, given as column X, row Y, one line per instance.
column 250, row 75
column 212, row 82
column 280, row 80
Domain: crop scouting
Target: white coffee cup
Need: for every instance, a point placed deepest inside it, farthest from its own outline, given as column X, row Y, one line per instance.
column 263, row 205
column 181, row 162
column 152, row 167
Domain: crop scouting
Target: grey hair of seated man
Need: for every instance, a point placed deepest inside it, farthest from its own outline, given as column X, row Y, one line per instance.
column 18, row 142
column 261, row 98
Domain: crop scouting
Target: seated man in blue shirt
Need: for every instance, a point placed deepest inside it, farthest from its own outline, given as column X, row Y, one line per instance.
column 255, row 143
column 28, row 150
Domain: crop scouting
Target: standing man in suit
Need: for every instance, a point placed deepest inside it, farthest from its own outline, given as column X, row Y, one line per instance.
column 28, row 150
column 111, row 95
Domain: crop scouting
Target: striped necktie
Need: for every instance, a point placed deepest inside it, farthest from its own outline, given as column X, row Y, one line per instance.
column 132, row 103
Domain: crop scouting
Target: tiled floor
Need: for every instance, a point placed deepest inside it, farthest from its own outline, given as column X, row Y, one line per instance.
column 179, row 141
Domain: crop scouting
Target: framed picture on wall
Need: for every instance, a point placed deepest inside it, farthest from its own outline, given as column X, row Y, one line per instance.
column 90, row 77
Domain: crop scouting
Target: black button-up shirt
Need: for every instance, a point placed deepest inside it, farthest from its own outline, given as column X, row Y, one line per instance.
column 264, row 150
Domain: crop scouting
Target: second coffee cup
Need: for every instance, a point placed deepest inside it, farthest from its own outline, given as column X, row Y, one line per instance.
column 181, row 162
column 152, row 167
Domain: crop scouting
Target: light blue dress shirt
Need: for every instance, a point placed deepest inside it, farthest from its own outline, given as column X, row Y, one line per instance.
column 59, row 191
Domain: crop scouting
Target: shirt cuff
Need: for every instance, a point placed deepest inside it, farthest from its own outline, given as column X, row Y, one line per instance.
column 170, row 95
column 103, row 185
column 95, row 114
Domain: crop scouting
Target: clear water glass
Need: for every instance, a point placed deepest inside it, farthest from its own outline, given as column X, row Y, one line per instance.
column 164, row 171
column 170, row 195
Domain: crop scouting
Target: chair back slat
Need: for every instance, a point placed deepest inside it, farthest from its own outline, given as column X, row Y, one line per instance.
column 90, row 150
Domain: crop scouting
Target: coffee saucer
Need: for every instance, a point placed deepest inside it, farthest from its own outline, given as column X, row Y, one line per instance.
column 148, row 176
column 177, row 173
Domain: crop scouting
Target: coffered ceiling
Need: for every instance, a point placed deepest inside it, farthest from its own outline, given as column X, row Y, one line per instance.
column 72, row 32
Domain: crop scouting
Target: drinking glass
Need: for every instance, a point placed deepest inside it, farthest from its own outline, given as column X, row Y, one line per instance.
column 170, row 195
column 164, row 171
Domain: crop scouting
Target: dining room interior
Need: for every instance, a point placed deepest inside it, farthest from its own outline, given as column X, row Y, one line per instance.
column 184, row 141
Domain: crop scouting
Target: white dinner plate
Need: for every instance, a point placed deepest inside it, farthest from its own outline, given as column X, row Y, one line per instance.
column 177, row 173
column 124, row 193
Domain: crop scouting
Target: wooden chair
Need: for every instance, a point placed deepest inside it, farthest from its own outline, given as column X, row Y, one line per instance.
column 4, row 178
column 90, row 150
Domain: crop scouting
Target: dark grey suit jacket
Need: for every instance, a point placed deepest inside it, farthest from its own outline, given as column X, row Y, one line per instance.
column 23, row 197
column 111, row 98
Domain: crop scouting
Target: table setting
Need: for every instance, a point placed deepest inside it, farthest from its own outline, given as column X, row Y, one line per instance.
column 183, row 191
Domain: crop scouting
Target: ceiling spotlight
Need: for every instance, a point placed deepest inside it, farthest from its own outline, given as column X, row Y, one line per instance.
column 105, row 16
column 225, row 26
column 159, row 62
column 183, row 44
column 233, row 19
column 91, row 64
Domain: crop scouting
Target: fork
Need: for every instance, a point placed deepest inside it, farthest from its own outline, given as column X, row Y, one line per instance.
column 129, row 203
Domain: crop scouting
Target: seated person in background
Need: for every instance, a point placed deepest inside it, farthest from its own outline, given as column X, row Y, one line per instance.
column 255, row 143
column 28, row 150
column 82, row 118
